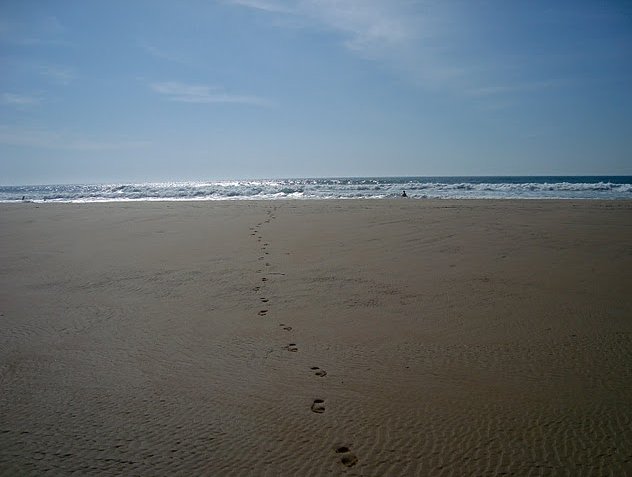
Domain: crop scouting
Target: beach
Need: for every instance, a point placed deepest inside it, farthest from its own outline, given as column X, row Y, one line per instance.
column 316, row 337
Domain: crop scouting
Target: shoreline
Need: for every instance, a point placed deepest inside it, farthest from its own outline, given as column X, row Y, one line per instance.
column 350, row 199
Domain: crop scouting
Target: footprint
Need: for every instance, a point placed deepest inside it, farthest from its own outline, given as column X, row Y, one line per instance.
column 292, row 347
column 264, row 279
column 318, row 406
column 319, row 372
column 287, row 328
column 265, row 300
column 262, row 313
column 256, row 289
column 348, row 459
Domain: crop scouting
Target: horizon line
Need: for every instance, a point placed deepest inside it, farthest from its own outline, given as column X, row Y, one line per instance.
column 181, row 181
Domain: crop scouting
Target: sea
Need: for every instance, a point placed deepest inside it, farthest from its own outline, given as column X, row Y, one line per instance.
column 467, row 187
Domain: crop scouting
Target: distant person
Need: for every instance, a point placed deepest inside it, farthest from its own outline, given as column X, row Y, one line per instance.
column 404, row 194
column 23, row 198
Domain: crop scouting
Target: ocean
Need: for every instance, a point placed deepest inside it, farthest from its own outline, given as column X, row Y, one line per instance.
column 474, row 187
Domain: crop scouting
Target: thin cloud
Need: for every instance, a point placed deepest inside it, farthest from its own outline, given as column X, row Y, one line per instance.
column 52, row 25
column 393, row 33
column 44, row 31
column 422, row 42
column 50, row 139
column 58, row 74
column 265, row 5
column 201, row 94
column 367, row 24
column 36, row 41
column 370, row 26
column 164, row 54
column 19, row 100
column 506, row 89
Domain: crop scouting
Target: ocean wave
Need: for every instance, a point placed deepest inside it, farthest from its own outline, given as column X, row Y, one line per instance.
column 331, row 188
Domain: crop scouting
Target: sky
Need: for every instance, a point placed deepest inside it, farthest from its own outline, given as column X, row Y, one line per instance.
column 153, row 90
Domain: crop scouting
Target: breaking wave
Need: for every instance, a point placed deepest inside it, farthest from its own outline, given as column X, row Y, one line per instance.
column 598, row 187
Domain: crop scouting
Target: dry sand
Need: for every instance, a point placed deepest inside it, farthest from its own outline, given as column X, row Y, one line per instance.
column 316, row 338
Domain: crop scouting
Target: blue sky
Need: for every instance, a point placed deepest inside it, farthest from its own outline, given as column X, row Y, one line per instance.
column 185, row 90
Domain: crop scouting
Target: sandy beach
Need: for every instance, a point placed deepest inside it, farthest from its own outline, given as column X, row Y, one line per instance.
column 367, row 337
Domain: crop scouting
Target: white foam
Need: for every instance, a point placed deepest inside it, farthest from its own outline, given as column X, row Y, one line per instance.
column 337, row 188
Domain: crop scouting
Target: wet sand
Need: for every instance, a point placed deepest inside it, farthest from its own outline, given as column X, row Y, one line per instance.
column 399, row 337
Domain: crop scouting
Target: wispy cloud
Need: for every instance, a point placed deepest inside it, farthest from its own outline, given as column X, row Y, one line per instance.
column 42, row 31
column 201, row 94
column 52, row 73
column 370, row 27
column 164, row 53
column 19, row 100
column 366, row 24
column 429, row 43
column 37, row 41
column 52, row 25
column 392, row 32
column 523, row 87
column 50, row 139
column 58, row 74
column 265, row 5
